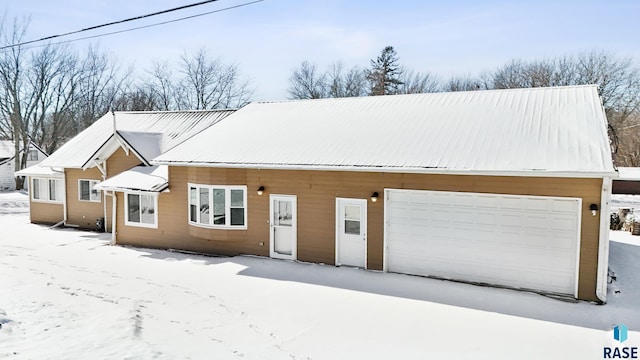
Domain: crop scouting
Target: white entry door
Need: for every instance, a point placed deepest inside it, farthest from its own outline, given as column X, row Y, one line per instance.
column 283, row 238
column 351, row 232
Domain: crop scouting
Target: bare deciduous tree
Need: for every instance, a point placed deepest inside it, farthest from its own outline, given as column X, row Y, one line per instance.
column 307, row 83
column 210, row 84
column 161, row 85
column 416, row 83
column 99, row 84
column 345, row 84
column 462, row 83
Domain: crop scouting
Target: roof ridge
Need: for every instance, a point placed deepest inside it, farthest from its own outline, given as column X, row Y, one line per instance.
column 440, row 93
column 173, row 111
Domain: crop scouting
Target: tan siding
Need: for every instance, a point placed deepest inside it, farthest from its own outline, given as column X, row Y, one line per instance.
column 120, row 161
column 45, row 213
column 116, row 164
column 82, row 213
column 316, row 193
column 85, row 213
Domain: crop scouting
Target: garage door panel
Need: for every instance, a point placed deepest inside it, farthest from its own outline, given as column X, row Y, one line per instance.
column 519, row 241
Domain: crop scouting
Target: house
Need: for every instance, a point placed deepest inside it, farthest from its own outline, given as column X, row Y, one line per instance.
column 63, row 186
column 628, row 182
column 502, row 187
column 8, row 162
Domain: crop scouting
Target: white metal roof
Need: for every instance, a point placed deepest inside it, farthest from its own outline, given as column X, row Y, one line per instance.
column 175, row 127
column 544, row 131
column 629, row 173
column 42, row 171
column 140, row 178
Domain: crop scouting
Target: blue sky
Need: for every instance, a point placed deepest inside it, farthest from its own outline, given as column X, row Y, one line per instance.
column 270, row 38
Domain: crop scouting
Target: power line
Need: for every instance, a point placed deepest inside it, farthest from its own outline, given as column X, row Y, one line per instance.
column 128, row 20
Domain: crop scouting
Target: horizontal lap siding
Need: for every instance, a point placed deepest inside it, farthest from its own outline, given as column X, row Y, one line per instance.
column 316, row 192
column 116, row 164
column 45, row 213
column 82, row 213
column 85, row 213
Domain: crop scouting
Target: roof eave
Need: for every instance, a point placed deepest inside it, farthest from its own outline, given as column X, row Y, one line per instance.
column 408, row 170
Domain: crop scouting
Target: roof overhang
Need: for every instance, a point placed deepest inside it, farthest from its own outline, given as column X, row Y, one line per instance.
column 629, row 174
column 408, row 170
column 41, row 171
column 140, row 178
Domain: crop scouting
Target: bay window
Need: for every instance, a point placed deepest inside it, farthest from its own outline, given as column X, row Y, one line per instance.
column 218, row 206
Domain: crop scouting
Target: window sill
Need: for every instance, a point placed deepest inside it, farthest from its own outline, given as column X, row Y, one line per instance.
column 55, row 202
column 141, row 225
column 217, row 227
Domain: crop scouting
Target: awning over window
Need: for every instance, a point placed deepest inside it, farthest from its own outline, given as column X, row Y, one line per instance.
column 140, row 178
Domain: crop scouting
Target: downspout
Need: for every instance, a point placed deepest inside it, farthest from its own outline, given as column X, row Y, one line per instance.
column 103, row 170
column 104, row 195
column 64, row 203
column 603, row 248
column 114, row 209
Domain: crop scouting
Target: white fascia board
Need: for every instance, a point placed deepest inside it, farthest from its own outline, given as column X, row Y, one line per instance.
column 102, row 153
column 432, row 171
column 109, row 148
column 130, row 190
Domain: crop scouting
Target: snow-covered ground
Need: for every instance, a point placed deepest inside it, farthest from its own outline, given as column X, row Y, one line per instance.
column 620, row 201
column 67, row 294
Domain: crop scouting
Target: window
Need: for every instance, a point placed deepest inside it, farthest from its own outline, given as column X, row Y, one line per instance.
column 32, row 155
column 352, row 220
column 87, row 192
column 141, row 209
column 218, row 206
column 47, row 190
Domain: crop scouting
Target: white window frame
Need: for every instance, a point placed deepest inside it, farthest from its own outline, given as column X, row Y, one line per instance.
column 227, row 206
column 46, row 197
column 30, row 152
column 155, row 208
column 99, row 193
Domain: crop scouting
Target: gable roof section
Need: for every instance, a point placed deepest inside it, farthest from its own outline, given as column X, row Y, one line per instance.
column 97, row 139
column 533, row 131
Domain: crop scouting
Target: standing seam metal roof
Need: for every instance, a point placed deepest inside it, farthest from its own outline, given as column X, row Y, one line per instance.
column 176, row 127
column 559, row 129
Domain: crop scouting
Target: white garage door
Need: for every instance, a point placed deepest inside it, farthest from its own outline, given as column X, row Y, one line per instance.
column 528, row 242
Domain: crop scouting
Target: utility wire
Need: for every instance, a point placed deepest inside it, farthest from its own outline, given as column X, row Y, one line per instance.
column 128, row 20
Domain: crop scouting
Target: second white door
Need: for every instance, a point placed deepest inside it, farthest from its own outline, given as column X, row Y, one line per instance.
column 351, row 232
column 283, row 239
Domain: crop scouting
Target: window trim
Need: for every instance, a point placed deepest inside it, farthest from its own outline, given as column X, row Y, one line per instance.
column 141, row 224
column 80, row 191
column 227, row 206
column 32, row 151
column 47, row 198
